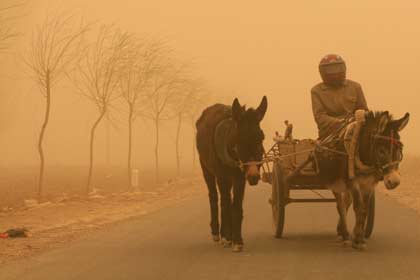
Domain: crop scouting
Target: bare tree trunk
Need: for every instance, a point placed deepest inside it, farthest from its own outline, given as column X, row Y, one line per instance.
column 41, row 137
column 193, row 142
column 92, row 138
column 157, row 149
column 130, row 143
column 178, row 132
column 108, row 144
column 194, row 152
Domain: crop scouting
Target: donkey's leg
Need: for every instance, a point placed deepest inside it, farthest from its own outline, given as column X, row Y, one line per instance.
column 225, row 187
column 347, row 200
column 367, row 194
column 360, row 213
column 213, row 199
column 237, row 212
column 342, row 206
column 338, row 205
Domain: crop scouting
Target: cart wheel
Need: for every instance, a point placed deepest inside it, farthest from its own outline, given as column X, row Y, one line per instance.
column 370, row 220
column 279, row 196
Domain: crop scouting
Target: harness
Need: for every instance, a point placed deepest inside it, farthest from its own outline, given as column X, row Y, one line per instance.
column 223, row 133
column 228, row 155
column 393, row 143
column 378, row 169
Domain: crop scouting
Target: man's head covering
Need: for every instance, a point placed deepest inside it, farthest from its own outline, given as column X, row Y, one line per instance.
column 332, row 68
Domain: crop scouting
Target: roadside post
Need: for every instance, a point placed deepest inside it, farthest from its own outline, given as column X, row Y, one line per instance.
column 135, row 178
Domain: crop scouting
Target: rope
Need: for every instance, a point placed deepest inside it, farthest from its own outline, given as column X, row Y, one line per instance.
column 274, row 158
column 332, row 150
column 390, row 164
column 392, row 140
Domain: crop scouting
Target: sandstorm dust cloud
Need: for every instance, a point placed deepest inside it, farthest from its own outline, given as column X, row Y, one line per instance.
column 243, row 50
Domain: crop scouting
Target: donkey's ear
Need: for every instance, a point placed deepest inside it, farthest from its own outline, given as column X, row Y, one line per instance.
column 237, row 110
column 383, row 121
column 400, row 124
column 262, row 109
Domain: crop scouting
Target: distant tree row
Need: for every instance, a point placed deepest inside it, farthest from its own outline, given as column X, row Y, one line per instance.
column 116, row 66
column 8, row 12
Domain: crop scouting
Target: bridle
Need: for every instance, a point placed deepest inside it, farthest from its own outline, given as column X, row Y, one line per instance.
column 229, row 154
column 242, row 165
column 394, row 144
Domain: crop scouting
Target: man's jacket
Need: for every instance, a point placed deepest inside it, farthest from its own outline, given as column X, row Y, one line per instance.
column 331, row 105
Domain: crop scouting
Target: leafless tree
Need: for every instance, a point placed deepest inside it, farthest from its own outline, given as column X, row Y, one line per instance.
column 54, row 49
column 98, row 74
column 184, row 107
column 197, row 103
column 165, row 83
column 136, row 78
column 8, row 13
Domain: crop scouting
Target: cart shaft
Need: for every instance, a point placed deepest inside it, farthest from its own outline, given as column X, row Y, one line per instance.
column 294, row 200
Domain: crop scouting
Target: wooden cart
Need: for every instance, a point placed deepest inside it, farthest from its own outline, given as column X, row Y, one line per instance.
column 291, row 165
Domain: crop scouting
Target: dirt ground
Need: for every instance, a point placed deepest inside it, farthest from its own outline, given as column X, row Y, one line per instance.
column 20, row 183
column 68, row 214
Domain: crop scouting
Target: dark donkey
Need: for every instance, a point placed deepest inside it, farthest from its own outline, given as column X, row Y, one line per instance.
column 377, row 159
column 230, row 147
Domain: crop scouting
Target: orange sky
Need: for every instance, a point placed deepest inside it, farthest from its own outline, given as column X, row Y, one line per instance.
column 241, row 48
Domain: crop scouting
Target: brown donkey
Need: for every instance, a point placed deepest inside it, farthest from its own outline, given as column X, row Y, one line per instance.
column 230, row 148
column 377, row 158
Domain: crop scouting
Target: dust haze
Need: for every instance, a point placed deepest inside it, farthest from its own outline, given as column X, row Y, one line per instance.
column 239, row 49
column 98, row 103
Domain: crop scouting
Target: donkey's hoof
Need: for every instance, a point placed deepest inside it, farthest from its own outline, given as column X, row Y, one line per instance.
column 339, row 239
column 236, row 248
column 359, row 245
column 226, row 243
column 347, row 243
column 216, row 237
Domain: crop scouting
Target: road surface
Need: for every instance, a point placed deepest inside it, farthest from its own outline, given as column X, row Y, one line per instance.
column 174, row 243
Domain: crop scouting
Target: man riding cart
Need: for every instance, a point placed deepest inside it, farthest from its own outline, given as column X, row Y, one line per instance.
column 335, row 98
column 356, row 150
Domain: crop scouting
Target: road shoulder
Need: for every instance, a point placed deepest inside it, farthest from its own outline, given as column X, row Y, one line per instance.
column 55, row 224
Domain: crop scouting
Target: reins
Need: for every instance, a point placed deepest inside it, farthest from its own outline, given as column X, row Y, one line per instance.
column 273, row 158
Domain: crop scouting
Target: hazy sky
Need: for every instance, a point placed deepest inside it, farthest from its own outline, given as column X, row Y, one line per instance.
column 246, row 49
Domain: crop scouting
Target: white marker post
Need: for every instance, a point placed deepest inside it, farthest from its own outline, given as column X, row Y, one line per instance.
column 135, row 178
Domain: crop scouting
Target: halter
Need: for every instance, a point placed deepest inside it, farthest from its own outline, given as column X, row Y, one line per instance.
column 392, row 144
column 242, row 165
column 391, row 139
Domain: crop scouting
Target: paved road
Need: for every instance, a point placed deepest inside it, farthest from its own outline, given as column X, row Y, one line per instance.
column 174, row 244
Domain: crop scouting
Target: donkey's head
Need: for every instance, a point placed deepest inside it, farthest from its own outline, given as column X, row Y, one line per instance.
column 249, row 138
column 381, row 147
